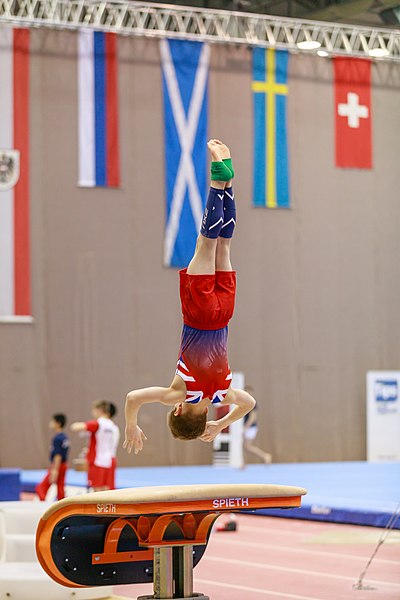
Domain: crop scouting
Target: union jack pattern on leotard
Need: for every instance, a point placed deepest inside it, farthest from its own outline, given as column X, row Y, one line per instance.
column 203, row 364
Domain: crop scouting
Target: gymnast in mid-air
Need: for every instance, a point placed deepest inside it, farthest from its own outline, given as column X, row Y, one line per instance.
column 207, row 292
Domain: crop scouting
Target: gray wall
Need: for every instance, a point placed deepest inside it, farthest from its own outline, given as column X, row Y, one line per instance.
column 318, row 285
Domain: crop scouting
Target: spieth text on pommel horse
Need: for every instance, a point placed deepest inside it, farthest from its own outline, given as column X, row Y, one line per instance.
column 217, row 503
column 230, row 502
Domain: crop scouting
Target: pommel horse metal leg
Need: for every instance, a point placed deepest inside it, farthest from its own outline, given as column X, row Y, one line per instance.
column 163, row 572
column 145, row 534
column 173, row 574
column 184, row 573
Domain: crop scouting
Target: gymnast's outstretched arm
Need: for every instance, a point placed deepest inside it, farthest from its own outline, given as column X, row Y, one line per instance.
column 134, row 436
column 244, row 404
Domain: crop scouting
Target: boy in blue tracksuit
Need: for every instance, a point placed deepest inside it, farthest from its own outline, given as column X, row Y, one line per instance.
column 58, row 459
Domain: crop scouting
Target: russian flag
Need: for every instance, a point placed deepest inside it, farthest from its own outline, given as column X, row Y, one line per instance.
column 98, row 109
column 15, row 284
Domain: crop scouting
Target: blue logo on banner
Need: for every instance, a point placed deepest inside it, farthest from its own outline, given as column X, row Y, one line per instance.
column 386, row 391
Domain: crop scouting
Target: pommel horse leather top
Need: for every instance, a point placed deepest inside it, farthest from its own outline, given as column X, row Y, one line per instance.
column 142, row 534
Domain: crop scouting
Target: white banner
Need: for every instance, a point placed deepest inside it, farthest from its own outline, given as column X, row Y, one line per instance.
column 383, row 416
column 228, row 447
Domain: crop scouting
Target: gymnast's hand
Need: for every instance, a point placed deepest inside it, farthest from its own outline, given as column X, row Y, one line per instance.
column 134, row 438
column 211, row 431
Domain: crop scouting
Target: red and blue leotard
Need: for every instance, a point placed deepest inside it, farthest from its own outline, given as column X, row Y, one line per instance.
column 203, row 364
column 207, row 305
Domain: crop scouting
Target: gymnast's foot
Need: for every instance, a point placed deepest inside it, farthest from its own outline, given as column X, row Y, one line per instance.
column 226, row 156
column 215, row 151
column 220, row 172
column 223, row 149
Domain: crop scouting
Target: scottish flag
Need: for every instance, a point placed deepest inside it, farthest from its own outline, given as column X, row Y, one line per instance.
column 185, row 67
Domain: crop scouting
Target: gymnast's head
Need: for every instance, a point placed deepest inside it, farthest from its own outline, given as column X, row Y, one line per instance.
column 187, row 421
column 100, row 408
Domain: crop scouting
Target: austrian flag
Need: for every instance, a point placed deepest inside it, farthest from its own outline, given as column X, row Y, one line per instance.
column 353, row 113
column 15, row 285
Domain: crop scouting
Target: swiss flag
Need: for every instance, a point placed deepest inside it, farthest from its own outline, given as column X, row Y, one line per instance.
column 353, row 112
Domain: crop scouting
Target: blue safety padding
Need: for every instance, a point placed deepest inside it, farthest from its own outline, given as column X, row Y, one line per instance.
column 341, row 492
column 10, row 484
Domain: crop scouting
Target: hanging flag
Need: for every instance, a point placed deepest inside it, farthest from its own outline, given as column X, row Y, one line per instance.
column 15, row 293
column 98, row 109
column 270, row 90
column 353, row 112
column 185, row 67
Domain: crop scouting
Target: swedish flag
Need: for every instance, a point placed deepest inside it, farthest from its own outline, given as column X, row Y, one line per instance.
column 270, row 89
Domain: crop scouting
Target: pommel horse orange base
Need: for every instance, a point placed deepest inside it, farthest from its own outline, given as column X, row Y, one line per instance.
column 144, row 534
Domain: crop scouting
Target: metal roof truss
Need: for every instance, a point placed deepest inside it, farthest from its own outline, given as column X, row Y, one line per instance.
column 160, row 20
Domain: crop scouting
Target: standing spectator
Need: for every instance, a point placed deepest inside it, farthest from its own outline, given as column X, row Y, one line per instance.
column 58, row 458
column 112, row 412
column 101, row 445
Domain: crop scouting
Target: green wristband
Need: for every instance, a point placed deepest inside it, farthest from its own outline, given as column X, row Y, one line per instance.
column 220, row 172
column 228, row 162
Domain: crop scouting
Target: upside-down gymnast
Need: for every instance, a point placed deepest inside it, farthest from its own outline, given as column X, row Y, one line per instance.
column 207, row 291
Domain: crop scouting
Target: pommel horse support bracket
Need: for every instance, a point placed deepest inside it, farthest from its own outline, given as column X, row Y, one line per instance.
column 139, row 535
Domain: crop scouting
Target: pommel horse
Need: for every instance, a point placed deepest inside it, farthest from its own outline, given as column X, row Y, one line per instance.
column 144, row 534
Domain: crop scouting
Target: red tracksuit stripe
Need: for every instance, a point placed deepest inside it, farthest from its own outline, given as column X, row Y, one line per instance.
column 21, row 190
